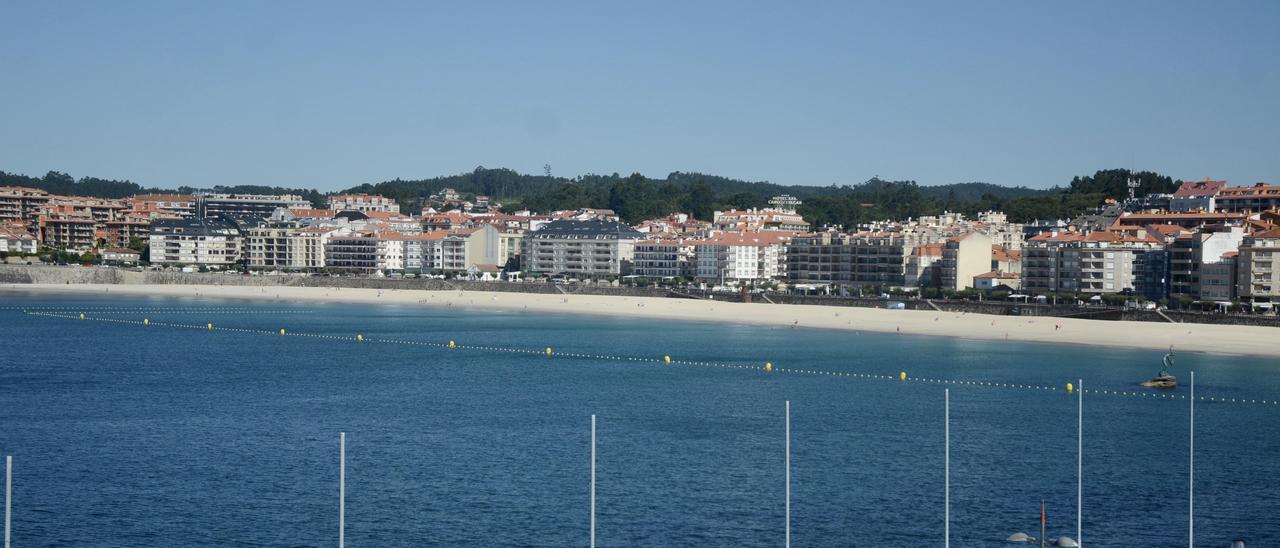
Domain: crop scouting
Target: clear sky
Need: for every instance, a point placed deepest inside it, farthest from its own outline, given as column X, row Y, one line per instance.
column 331, row 95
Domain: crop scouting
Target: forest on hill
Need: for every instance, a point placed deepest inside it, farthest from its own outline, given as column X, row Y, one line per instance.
column 636, row 197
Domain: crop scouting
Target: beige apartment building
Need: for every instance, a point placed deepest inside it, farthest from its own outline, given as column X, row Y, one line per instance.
column 1258, row 269
column 963, row 258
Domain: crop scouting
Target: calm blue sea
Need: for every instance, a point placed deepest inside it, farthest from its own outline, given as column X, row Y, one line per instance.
column 124, row 435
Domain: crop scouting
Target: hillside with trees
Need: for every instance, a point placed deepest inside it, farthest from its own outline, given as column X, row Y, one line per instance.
column 636, row 197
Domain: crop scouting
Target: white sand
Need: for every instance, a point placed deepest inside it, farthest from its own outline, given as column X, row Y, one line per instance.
column 1222, row 339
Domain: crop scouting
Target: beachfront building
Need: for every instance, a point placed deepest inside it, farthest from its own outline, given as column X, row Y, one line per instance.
column 214, row 243
column 664, row 258
column 17, row 241
column 923, row 266
column 858, row 260
column 121, row 255
column 23, row 204
column 288, row 246
column 823, row 258
column 353, row 251
column 995, row 280
column 1196, row 196
column 1248, row 199
column 241, row 205
column 362, row 202
column 742, row 257
column 1190, row 251
column 70, row 232
column 1093, row 262
column 464, row 248
column 963, row 258
column 1258, row 269
column 581, row 248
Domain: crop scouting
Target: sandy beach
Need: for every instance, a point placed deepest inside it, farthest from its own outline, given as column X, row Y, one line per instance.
column 1222, row 339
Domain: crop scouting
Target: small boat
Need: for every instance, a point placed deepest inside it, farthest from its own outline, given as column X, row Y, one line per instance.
column 1164, row 380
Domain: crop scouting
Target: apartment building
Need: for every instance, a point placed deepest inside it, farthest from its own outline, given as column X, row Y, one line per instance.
column 1251, row 199
column 21, row 204
column 464, row 248
column 362, row 202
column 665, row 258
column 214, row 243
column 742, row 257
column 353, row 251
column 1093, row 263
column 285, row 246
column 122, row 231
column 70, row 232
column 821, row 258
column 1258, row 269
column 1196, row 196
column 859, row 259
column 1190, row 251
column 923, row 264
column 591, row 248
column 963, row 258
column 18, row 241
column 165, row 205
column 754, row 220
column 259, row 205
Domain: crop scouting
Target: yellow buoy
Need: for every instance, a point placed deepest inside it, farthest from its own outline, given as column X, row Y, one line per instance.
column 902, row 376
column 281, row 331
column 451, row 345
column 1070, row 388
column 666, row 359
column 209, row 325
column 359, row 338
column 146, row 321
column 548, row 350
column 768, row 366
column 82, row 315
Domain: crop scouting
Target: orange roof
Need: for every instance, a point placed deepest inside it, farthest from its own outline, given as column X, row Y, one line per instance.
column 928, row 250
column 326, row 213
column 764, row 238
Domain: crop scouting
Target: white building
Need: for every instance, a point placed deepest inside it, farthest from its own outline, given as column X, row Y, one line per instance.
column 207, row 242
column 362, row 202
column 582, row 248
column 286, row 246
column 13, row 240
column 742, row 257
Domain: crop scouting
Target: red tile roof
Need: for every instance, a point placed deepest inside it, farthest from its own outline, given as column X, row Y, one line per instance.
column 1195, row 189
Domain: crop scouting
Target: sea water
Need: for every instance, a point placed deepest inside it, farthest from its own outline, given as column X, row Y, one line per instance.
column 150, row 435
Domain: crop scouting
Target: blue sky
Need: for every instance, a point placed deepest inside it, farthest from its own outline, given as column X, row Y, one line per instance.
column 330, row 95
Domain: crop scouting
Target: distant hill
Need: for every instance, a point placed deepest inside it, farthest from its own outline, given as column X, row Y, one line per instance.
column 636, row 197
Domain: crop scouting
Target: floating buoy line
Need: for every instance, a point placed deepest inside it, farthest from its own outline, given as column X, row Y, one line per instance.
column 155, row 310
column 766, row 367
